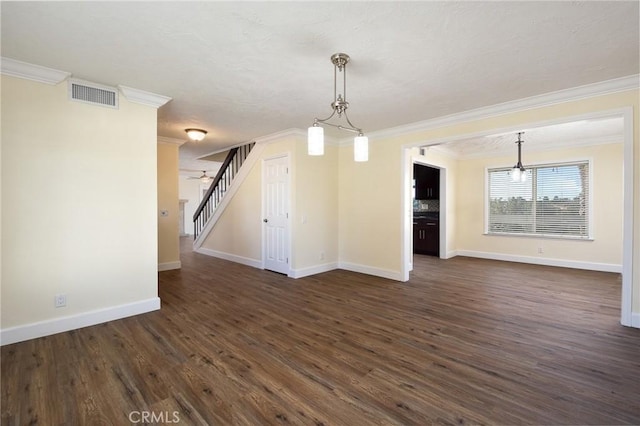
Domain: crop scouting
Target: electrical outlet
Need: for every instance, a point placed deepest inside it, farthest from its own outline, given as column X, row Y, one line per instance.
column 321, row 255
column 60, row 300
column 540, row 251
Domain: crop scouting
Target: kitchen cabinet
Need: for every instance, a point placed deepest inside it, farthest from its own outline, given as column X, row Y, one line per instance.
column 426, row 236
column 427, row 181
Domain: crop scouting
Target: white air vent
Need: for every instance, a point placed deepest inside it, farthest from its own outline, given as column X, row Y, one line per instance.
column 92, row 93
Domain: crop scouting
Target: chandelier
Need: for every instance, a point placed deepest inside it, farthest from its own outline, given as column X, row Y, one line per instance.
column 339, row 106
column 519, row 173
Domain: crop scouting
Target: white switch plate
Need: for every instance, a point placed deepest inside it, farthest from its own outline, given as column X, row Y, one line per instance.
column 60, row 300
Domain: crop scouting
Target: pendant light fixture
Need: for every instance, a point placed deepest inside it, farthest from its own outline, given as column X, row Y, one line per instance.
column 315, row 137
column 519, row 173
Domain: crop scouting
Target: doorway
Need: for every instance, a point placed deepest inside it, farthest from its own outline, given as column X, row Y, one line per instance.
column 626, row 136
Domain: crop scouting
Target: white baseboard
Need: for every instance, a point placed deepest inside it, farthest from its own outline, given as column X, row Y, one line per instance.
column 369, row 270
column 168, row 266
column 73, row 322
column 591, row 266
column 312, row 270
column 450, row 254
column 231, row 257
column 635, row 319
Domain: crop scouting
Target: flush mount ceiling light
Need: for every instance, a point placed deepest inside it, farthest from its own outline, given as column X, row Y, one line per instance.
column 339, row 105
column 196, row 135
column 519, row 173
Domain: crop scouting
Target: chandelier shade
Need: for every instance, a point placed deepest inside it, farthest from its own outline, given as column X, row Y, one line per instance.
column 316, row 140
column 361, row 148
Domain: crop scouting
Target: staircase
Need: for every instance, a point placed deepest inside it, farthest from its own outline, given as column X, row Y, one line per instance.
column 221, row 183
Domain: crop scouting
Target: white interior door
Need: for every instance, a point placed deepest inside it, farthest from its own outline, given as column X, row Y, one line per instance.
column 275, row 193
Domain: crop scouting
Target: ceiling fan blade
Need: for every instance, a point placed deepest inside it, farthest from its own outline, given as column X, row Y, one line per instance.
column 203, row 176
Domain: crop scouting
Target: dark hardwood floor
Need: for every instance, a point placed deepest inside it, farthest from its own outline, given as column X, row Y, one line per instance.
column 465, row 341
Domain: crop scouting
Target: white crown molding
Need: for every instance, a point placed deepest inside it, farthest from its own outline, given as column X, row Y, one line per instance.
column 566, row 95
column 32, row 72
column 275, row 137
column 170, row 141
column 52, row 76
column 546, row 146
column 443, row 150
column 141, row 97
column 582, row 143
column 270, row 138
column 346, row 141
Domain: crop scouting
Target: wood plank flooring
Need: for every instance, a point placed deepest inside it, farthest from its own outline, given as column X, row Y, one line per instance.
column 465, row 341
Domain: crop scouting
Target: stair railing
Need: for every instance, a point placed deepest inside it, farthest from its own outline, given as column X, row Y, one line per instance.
column 221, row 183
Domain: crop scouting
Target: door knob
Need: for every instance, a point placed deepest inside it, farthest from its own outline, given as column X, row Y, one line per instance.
column 265, row 220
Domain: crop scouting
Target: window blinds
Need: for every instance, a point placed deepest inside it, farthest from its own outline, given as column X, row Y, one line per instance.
column 554, row 201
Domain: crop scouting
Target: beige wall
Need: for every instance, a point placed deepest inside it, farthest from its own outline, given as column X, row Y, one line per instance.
column 78, row 203
column 376, row 240
column 316, row 201
column 238, row 231
column 607, row 202
column 313, row 199
column 1, row 236
column 168, row 234
column 370, row 208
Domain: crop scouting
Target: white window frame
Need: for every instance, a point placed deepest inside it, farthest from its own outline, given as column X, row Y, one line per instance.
column 590, row 234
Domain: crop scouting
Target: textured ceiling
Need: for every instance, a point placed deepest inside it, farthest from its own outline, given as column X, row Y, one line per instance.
column 557, row 136
column 246, row 69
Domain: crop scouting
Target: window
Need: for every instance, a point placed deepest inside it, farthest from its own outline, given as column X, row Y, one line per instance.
column 554, row 201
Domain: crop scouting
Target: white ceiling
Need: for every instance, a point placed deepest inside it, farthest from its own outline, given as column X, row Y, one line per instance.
column 557, row 136
column 242, row 70
column 195, row 168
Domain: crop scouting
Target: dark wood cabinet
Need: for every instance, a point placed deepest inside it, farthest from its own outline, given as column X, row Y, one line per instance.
column 427, row 181
column 426, row 225
column 426, row 236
